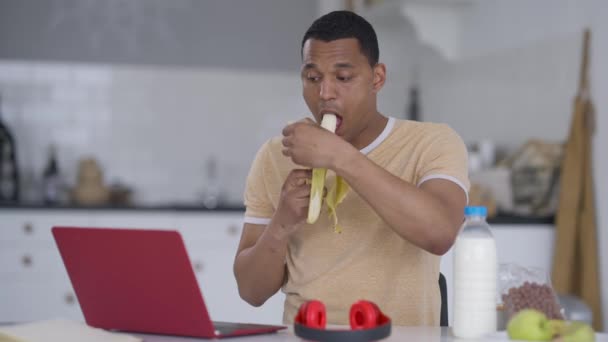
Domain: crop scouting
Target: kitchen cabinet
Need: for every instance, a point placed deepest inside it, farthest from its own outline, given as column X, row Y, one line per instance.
column 211, row 240
column 34, row 284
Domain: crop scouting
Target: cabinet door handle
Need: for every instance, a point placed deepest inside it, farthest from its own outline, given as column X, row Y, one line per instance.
column 26, row 260
column 69, row 299
column 28, row 228
column 198, row 266
column 232, row 230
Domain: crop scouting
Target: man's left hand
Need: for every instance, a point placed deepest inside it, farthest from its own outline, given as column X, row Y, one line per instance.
column 310, row 145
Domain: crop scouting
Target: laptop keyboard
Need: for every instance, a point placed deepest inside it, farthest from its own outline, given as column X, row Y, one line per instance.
column 225, row 328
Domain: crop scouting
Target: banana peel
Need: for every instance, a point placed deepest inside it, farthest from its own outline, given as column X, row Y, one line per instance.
column 335, row 196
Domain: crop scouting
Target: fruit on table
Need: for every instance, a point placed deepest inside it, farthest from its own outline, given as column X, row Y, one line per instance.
column 533, row 325
column 577, row 332
column 530, row 325
column 557, row 326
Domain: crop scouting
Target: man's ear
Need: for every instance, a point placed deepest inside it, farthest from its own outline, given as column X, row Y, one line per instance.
column 379, row 74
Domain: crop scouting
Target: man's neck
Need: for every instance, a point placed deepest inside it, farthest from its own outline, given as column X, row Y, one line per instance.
column 374, row 128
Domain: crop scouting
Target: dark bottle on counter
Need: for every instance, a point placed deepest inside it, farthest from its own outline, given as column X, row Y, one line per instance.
column 9, row 171
column 413, row 108
column 211, row 194
column 50, row 179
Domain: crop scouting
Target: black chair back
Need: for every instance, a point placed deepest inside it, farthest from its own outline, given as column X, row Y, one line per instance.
column 443, row 288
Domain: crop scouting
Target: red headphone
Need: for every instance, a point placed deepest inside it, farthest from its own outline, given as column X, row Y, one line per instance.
column 367, row 323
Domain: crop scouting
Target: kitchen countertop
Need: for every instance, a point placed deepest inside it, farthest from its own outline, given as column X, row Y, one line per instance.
column 135, row 207
column 232, row 207
column 399, row 333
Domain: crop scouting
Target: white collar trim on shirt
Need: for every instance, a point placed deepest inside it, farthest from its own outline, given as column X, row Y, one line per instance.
column 387, row 130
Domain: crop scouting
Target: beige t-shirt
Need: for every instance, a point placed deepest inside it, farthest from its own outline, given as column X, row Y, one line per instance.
column 368, row 260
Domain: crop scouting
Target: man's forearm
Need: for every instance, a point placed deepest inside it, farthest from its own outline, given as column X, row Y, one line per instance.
column 260, row 269
column 414, row 214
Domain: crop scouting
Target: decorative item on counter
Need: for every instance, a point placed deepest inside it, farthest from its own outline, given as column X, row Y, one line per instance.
column 480, row 195
column 9, row 170
column 487, row 153
column 51, row 179
column 496, row 191
column 535, row 177
column 474, row 160
column 90, row 189
column 120, row 194
column 481, row 156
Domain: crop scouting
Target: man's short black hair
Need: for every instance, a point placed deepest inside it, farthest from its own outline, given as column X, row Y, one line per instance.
column 345, row 24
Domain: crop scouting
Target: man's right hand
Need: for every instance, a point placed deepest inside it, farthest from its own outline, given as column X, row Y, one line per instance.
column 259, row 266
column 292, row 209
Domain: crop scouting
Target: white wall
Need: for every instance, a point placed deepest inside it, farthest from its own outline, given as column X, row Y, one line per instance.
column 490, row 26
column 508, row 96
column 400, row 51
column 517, row 80
column 151, row 128
column 210, row 34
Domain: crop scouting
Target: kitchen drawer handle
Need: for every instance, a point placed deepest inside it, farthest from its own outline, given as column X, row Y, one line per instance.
column 27, row 260
column 232, row 230
column 69, row 298
column 28, row 228
column 198, row 266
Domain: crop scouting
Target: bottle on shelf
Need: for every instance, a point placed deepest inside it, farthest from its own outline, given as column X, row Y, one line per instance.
column 9, row 171
column 212, row 195
column 51, row 182
column 413, row 107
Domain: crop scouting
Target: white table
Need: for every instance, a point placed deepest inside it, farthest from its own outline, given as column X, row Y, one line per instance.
column 426, row 334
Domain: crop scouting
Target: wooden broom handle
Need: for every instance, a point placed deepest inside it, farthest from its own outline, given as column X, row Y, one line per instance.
column 584, row 78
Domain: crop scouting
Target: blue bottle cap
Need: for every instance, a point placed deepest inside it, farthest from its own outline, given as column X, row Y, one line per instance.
column 475, row 211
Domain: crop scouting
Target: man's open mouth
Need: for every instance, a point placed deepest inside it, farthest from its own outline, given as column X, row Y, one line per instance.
column 338, row 118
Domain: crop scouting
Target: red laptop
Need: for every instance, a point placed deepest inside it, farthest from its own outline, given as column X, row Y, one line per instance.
column 140, row 281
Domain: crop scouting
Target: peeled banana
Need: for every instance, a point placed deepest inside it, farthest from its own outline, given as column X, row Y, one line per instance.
column 328, row 122
column 335, row 195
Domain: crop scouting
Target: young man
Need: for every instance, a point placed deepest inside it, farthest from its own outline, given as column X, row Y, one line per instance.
column 408, row 191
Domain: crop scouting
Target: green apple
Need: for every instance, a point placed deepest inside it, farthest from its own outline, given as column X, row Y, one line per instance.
column 578, row 332
column 529, row 325
column 557, row 326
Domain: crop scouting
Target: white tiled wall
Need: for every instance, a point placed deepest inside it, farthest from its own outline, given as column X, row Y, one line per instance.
column 154, row 128
column 507, row 96
column 150, row 128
